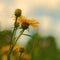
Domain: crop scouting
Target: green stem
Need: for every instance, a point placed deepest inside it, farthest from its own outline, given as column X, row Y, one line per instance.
column 11, row 48
column 20, row 56
column 19, row 35
column 14, row 32
column 12, row 38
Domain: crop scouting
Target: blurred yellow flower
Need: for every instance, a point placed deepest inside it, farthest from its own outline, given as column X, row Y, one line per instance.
column 6, row 48
column 4, row 57
column 31, row 22
column 26, row 57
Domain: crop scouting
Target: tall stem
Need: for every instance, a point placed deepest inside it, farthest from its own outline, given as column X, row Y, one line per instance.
column 20, row 56
column 12, row 38
column 11, row 48
column 14, row 32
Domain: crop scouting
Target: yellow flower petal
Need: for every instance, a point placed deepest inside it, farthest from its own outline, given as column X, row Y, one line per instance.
column 32, row 22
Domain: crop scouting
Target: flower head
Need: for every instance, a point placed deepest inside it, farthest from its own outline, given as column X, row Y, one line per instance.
column 18, row 12
column 21, row 50
column 26, row 22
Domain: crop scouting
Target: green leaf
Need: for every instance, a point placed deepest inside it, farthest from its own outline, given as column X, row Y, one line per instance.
column 27, row 35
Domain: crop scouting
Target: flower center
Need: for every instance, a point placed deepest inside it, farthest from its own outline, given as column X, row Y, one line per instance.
column 24, row 25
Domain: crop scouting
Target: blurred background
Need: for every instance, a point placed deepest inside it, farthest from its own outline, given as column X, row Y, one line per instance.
column 45, row 41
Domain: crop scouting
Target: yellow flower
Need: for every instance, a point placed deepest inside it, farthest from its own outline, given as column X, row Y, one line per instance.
column 26, row 57
column 25, row 21
column 6, row 48
column 4, row 57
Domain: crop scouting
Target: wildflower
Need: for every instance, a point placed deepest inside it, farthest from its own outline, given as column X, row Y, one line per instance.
column 18, row 51
column 21, row 50
column 18, row 12
column 6, row 48
column 4, row 57
column 26, row 57
column 26, row 22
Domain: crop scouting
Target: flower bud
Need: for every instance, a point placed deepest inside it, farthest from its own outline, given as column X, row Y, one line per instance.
column 21, row 50
column 18, row 12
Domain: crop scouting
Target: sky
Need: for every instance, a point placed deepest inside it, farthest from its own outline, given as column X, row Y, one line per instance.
column 47, row 12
